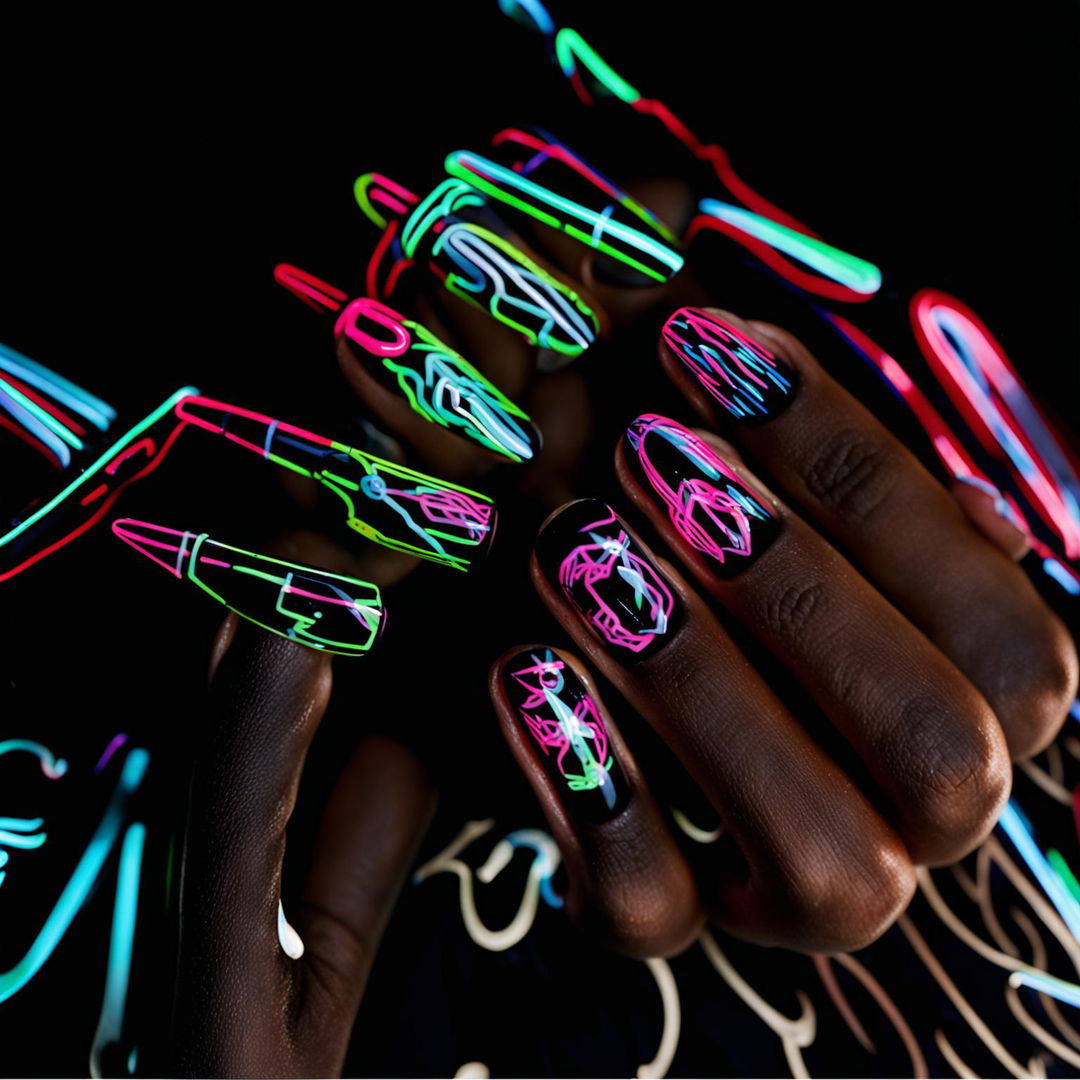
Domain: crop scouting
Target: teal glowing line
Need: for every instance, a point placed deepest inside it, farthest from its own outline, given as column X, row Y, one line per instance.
column 1047, row 984
column 82, row 880
column 475, row 169
column 80, row 480
column 570, row 47
column 89, row 407
column 1012, row 822
column 849, row 270
column 121, row 944
column 42, row 416
column 447, row 198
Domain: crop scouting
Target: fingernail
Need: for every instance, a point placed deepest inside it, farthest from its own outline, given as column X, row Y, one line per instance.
column 587, row 552
column 750, row 382
column 712, row 510
column 438, row 384
column 476, row 263
column 387, row 503
column 312, row 607
column 578, row 200
column 567, row 733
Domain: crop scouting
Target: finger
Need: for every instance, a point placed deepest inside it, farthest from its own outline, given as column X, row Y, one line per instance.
column 991, row 514
column 822, row 869
column 925, row 734
column 629, row 885
column 267, row 696
column 841, row 467
column 377, row 815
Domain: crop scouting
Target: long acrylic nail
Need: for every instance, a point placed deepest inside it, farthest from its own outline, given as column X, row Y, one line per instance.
column 388, row 503
column 465, row 246
column 439, row 385
column 750, row 382
column 312, row 607
column 587, row 551
column 712, row 510
column 578, row 201
column 567, row 732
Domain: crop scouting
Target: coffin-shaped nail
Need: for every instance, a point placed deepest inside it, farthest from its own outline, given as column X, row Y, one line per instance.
column 388, row 503
column 438, row 383
column 567, row 732
column 574, row 199
column 312, row 607
column 749, row 382
column 709, row 506
column 586, row 551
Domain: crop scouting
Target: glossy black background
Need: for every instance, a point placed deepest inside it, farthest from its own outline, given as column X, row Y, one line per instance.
column 155, row 169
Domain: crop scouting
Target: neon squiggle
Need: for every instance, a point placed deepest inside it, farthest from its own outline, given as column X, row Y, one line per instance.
column 24, row 834
column 838, row 275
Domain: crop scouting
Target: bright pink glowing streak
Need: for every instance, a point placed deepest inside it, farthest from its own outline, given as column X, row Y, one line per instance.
column 388, row 200
column 313, row 291
column 948, row 447
column 393, row 186
column 803, row 279
column 381, row 315
column 213, row 562
column 95, row 494
column 249, row 414
column 142, row 446
column 975, row 405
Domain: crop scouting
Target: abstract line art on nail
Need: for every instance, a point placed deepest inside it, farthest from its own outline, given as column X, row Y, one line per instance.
column 388, row 503
column 606, row 575
column 473, row 261
column 710, row 507
column 596, row 228
column 438, row 383
column 743, row 376
column 567, row 727
column 324, row 611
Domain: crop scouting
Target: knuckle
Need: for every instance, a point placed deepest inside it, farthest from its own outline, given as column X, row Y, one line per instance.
column 790, row 609
column 852, row 474
column 952, row 772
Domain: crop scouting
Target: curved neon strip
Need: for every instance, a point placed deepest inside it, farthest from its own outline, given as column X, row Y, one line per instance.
column 121, row 946
column 82, row 880
column 91, row 477
column 977, row 376
column 848, row 270
column 52, row 766
column 91, row 408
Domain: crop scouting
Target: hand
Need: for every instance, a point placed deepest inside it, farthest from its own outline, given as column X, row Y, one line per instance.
column 245, row 1006
column 920, row 643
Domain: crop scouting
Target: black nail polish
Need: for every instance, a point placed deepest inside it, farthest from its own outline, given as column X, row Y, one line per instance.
column 746, row 379
column 625, row 601
column 566, row 730
column 710, row 507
